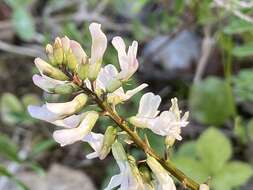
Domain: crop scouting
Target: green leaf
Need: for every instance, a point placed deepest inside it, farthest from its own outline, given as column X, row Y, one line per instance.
column 41, row 147
column 244, row 50
column 188, row 150
column 8, row 149
column 192, row 168
column 11, row 108
column 237, row 26
column 6, row 173
column 214, row 149
column 23, row 23
column 30, row 99
column 211, row 101
column 243, row 88
column 250, row 129
column 233, row 174
column 14, row 4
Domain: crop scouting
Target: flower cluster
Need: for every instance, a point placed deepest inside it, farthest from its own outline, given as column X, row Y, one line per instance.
column 70, row 71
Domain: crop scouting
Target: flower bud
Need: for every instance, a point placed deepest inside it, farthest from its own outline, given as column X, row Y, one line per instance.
column 68, row 88
column 49, row 70
column 109, row 139
column 94, row 70
column 58, row 51
column 71, row 60
column 82, row 70
column 50, row 54
column 118, row 152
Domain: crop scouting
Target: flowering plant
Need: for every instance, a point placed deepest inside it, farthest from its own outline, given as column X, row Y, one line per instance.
column 69, row 70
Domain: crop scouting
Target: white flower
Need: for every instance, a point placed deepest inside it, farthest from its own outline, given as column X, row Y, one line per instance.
column 127, row 60
column 98, row 47
column 107, row 78
column 125, row 179
column 148, row 110
column 119, row 96
column 165, row 182
column 99, row 43
column 95, row 140
column 46, row 83
column 51, row 112
column 72, row 135
column 169, row 123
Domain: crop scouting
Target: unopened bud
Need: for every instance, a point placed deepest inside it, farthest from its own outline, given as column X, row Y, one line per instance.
column 49, row 70
column 71, row 60
column 65, row 43
column 82, row 70
column 68, row 88
column 118, row 152
column 50, row 54
column 94, row 70
column 58, row 51
column 109, row 139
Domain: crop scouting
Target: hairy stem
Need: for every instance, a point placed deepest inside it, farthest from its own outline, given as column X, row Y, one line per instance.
column 122, row 123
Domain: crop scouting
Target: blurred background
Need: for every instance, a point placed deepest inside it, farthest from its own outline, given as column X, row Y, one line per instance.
column 198, row 51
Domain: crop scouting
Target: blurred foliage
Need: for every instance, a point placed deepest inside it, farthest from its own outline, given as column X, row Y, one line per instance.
column 209, row 156
column 208, row 99
column 14, row 111
column 243, row 85
column 21, row 18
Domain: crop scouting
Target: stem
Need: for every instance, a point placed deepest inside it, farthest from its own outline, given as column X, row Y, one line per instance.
column 121, row 122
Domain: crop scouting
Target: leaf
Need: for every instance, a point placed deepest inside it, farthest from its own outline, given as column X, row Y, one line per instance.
column 8, row 148
column 6, row 173
column 192, row 168
column 214, row 149
column 11, row 108
column 14, row 4
column 243, row 50
column 211, row 101
column 30, row 99
column 23, row 23
column 41, row 147
column 243, row 88
column 233, row 174
column 188, row 150
column 237, row 26
column 250, row 129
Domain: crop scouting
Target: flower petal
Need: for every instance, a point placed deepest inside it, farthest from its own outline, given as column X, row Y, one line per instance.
column 46, row 83
column 114, row 182
column 78, row 51
column 95, row 140
column 134, row 91
column 99, row 43
column 68, row 108
column 69, row 122
column 149, row 104
column 42, row 113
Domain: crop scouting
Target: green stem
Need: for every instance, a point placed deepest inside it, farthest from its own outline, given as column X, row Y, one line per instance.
column 121, row 122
